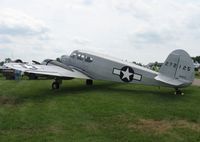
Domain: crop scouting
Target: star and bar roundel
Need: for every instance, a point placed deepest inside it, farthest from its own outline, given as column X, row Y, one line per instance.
column 127, row 74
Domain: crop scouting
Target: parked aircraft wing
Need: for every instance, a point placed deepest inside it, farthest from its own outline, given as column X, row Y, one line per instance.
column 50, row 70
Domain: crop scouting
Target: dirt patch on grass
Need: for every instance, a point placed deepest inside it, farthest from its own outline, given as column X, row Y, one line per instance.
column 187, row 125
column 6, row 100
column 92, row 127
column 196, row 82
column 163, row 126
column 148, row 125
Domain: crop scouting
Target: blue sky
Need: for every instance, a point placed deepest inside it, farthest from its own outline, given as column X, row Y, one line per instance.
column 137, row 30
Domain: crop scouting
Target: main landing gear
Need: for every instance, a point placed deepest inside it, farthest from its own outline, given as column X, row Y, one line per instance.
column 178, row 92
column 89, row 82
column 56, row 84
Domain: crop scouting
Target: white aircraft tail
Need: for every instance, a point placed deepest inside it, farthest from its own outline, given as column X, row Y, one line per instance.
column 177, row 70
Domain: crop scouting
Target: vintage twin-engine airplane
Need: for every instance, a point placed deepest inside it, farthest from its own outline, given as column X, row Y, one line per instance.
column 176, row 72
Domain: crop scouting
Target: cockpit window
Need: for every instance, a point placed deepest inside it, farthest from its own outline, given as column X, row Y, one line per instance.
column 88, row 59
column 73, row 55
column 81, row 56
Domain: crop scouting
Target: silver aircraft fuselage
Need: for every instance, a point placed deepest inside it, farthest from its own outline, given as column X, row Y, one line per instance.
column 177, row 71
column 101, row 67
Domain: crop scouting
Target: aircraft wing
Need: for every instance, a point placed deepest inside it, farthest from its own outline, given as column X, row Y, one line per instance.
column 50, row 70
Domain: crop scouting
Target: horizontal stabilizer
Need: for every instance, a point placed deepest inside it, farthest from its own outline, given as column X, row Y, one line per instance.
column 171, row 81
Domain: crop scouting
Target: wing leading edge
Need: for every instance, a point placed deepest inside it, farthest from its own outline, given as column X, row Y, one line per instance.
column 50, row 70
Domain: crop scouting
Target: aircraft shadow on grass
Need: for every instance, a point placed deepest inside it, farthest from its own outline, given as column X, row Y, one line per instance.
column 43, row 94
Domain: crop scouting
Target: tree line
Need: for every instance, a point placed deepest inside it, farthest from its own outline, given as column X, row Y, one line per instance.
column 196, row 59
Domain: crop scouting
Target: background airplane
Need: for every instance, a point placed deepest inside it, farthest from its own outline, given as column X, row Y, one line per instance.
column 176, row 72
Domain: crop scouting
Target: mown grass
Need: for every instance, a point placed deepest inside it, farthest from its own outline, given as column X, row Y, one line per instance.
column 104, row 112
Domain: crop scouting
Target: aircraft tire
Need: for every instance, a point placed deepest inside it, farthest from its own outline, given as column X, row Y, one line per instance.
column 55, row 85
column 89, row 82
column 178, row 92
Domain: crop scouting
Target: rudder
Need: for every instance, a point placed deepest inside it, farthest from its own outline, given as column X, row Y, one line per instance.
column 178, row 66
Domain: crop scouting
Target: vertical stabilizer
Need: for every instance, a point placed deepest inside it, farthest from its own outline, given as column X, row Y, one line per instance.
column 178, row 68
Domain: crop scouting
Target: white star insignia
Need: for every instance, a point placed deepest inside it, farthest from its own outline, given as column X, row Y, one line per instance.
column 126, row 74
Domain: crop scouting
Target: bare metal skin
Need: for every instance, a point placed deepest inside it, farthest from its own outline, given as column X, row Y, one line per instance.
column 176, row 72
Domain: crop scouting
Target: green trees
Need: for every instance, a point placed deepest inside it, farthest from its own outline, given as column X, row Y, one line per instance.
column 196, row 59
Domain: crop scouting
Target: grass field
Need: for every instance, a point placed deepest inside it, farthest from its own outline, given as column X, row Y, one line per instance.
column 105, row 112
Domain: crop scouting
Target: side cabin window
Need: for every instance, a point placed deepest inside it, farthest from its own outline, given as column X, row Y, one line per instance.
column 80, row 56
column 88, row 59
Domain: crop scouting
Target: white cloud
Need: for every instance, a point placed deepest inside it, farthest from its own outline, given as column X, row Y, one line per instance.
column 21, row 35
column 132, row 29
column 4, row 39
column 81, row 41
column 16, row 23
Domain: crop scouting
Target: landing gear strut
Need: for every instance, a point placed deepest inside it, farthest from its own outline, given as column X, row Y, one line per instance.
column 89, row 82
column 56, row 84
column 178, row 92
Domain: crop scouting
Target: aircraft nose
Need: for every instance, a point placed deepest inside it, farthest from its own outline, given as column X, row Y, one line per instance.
column 65, row 59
